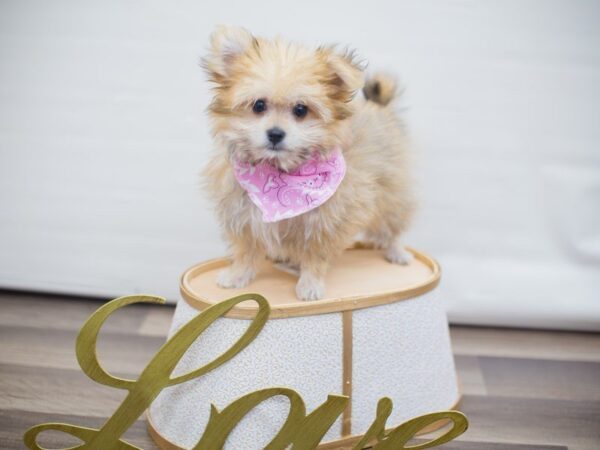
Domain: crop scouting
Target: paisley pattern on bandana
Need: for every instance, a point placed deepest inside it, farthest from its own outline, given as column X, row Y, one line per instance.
column 281, row 195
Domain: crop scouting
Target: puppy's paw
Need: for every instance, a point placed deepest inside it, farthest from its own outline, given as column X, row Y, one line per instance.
column 229, row 278
column 310, row 288
column 399, row 255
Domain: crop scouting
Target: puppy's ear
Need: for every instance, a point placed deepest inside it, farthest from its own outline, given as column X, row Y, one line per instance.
column 345, row 68
column 344, row 77
column 226, row 44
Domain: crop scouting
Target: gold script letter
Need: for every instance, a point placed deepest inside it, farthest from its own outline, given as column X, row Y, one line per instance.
column 305, row 432
column 155, row 377
column 398, row 438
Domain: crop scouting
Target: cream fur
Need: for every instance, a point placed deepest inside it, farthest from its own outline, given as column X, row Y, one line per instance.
column 375, row 196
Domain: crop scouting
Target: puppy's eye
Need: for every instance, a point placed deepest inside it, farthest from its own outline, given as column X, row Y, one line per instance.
column 300, row 110
column 259, row 106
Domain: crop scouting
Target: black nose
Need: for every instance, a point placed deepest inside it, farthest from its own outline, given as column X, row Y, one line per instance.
column 275, row 135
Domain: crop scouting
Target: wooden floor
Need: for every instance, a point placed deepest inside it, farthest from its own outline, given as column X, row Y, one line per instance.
column 523, row 390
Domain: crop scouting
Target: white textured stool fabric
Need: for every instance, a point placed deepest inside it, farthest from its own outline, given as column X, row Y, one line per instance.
column 400, row 349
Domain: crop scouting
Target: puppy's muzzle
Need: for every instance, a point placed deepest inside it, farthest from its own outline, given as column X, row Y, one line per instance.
column 275, row 135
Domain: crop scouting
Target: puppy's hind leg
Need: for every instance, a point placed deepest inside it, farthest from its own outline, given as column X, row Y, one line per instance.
column 389, row 240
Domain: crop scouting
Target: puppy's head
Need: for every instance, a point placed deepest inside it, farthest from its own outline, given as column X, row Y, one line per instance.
column 278, row 101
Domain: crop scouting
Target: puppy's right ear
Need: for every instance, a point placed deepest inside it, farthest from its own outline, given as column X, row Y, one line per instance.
column 226, row 44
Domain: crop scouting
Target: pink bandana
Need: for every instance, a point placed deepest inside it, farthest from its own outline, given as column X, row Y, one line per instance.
column 281, row 195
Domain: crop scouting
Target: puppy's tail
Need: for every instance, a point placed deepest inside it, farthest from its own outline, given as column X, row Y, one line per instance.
column 381, row 88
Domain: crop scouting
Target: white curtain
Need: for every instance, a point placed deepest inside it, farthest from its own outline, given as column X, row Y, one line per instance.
column 103, row 133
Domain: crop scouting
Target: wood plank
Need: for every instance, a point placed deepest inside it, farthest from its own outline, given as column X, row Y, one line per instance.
column 54, row 391
column 37, row 347
column 70, row 313
column 481, row 445
column 470, row 378
column 533, row 344
column 13, row 425
column 575, row 424
column 540, row 378
column 157, row 321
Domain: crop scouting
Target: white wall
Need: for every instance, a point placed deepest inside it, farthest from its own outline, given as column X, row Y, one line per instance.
column 103, row 133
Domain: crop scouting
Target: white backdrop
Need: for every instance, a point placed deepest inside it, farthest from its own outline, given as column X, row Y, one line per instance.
column 103, row 133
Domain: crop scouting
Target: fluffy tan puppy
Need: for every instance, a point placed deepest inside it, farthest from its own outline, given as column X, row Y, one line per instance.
column 308, row 96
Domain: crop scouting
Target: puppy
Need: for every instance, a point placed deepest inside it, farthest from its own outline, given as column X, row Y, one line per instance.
column 302, row 164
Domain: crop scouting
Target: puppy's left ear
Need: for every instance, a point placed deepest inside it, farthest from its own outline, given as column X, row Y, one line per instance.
column 226, row 45
column 346, row 71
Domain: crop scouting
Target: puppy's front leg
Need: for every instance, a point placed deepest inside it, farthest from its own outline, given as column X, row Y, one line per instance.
column 396, row 253
column 241, row 272
column 311, row 285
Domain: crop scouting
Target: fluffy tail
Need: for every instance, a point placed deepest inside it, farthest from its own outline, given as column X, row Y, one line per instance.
column 381, row 89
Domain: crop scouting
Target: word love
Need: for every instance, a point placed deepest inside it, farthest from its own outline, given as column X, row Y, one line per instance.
column 299, row 432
